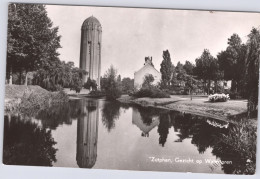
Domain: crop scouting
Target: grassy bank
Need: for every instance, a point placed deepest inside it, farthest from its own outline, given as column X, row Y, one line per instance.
column 31, row 99
column 198, row 106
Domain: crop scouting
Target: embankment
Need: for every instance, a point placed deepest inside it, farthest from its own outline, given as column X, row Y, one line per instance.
column 31, row 99
column 198, row 106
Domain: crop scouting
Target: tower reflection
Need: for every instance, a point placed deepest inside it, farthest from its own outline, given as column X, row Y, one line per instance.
column 87, row 134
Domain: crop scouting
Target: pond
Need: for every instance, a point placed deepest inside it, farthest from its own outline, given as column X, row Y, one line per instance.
column 95, row 133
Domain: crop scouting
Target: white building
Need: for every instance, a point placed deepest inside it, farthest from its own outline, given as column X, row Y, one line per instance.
column 147, row 69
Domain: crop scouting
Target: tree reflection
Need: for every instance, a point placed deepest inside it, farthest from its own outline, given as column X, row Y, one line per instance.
column 163, row 128
column 27, row 144
column 146, row 115
column 60, row 114
column 110, row 113
column 237, row 143
column 183, row 124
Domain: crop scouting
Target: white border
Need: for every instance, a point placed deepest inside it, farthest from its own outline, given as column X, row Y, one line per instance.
column 20, row 172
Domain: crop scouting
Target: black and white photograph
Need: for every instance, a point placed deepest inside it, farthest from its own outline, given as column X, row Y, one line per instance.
column 122, row 88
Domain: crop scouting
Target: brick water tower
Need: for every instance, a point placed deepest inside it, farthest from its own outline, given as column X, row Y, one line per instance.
column 90, row 49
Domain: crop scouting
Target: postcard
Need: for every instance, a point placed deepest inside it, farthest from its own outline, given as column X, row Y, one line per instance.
column 131, row 88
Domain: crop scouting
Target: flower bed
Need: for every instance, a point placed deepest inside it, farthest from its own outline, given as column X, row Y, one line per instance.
column 219, row 97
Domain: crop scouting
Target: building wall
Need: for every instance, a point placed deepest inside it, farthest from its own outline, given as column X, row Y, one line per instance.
column 147, row 69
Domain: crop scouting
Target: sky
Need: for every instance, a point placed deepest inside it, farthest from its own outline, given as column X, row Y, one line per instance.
column 131, row 34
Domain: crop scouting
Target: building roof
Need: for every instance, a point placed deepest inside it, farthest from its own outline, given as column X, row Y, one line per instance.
column 148, row 62
column 90, row 21
column 146, row 65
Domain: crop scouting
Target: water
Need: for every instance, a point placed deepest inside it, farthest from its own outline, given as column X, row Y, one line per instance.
column 94, row 133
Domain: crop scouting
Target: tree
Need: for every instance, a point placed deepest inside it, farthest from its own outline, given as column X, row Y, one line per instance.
column 32, row 41
column 56, row 75
column 207, row 68
column 166, row 70
column 77, row 76
column 91, row 84
column 127, row 84
column 148, row 80
column 110, row 85
column 232, row 62
column 188, row 67
column 119, row 82
column 180, row 73
column 252, row 69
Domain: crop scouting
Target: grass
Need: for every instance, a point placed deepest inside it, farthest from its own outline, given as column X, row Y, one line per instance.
column 199, row 105
column 31, row 99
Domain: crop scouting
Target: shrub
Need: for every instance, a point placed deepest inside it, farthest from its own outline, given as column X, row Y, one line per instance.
column 219, row 97
column 34, row 101
column 151, row 92
column 97, row 93
column 90, row 84
column 235, row 95
column 241, row 141
column 112, row 94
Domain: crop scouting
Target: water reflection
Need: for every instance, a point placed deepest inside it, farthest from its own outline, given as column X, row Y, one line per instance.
column 204, row 133
column 126, row 132
column 25, row 143
column 60, row 114
column 163, row 128
column 144, row 122
column 110, row 113
column 87, row 134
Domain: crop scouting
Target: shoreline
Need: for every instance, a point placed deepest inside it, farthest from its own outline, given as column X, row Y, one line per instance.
column 224, row 111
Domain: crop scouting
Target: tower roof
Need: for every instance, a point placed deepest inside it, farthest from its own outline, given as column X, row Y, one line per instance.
column 91, row 21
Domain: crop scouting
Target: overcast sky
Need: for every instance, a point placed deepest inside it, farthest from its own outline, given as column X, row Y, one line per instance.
column 130, row 34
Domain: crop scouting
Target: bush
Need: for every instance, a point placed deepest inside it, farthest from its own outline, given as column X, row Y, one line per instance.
column 241, row 140
column 151, row 92
column 34, row 101
column 90, row 84
column 97, row 93
column 235, row 95
column 219, row 97
column 113, row 94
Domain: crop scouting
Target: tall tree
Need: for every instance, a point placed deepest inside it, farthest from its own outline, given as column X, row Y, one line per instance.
column 32, row 41
column 167, row 69
column 180, row 73
column 110, row 85
column 252, row 69
column 207, row 68
column 232, row 61
column 188, row 67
